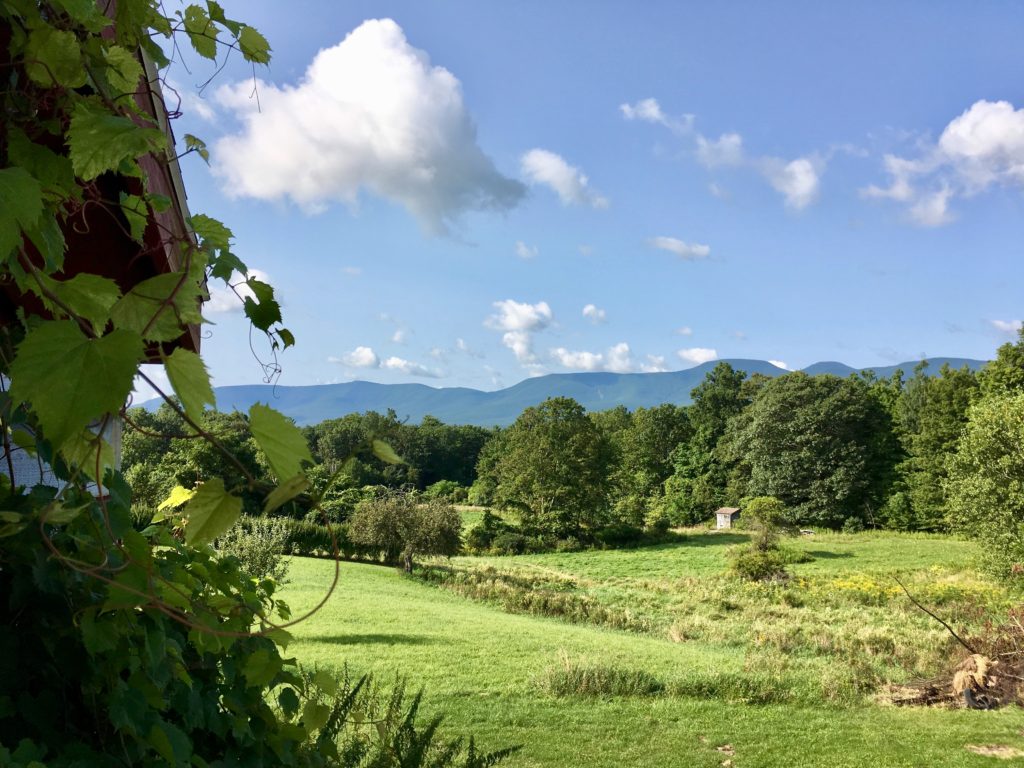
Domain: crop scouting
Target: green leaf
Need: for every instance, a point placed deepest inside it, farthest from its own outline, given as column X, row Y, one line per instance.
column 53, row 171
column 285, row 492
column 56, row 513
column 283, row 443
column 151, row 299
column 71, row 380
column 177, row 497
column 254, row 46
column 386, row 453
column 197, row 145
column 136, row 213
column 261, row 667
column 21, row 205
column 85, row 12
column 201, row 32
column 211, row 512
column 214, row 234
column 54, row 57
column 286, row 337
column 171, row 742
column 326, row 682
column 264, row 310
column 99, row 141
column 191, row 382
column 48, row 238
column 88, row 296
column 123, row 70
column 315, row 716
column 85, row 449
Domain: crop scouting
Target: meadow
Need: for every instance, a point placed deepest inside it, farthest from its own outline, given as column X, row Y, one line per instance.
column 706, row 671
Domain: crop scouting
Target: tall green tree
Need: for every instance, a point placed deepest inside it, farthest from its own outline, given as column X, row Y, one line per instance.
column 553, row 470
column 811, row 441
column 697, row 485
column 931, row 414
column 1005, row 374
column 985, row 483
column 644, row 460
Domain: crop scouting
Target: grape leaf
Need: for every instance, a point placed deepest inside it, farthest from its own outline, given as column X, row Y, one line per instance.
column 201, row 32
column 53, row 57
column 124, row 71
column 264, row 310
column 71, row 380
column 99, row 140
column 198, row 145
column 285, row 492
column 146, row 301
column 88, row 296
column 254, row 46
column 21, row 205
column 211, row 512
column 178, row 496
column 386, row 453
column 191, row 382
column 136, row 213
column 283, row 443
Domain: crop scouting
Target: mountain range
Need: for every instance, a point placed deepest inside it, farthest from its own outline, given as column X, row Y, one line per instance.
column 461, row 405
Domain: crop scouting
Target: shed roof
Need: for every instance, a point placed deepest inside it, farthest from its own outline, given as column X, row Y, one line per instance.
column 727, row 510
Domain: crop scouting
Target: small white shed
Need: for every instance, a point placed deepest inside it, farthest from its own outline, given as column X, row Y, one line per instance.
column 726, row 516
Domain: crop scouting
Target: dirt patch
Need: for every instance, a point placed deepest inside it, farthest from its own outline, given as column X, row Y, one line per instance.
column 995, row 750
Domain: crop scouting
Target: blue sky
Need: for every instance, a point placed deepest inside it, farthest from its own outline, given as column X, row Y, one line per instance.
column 468, row 193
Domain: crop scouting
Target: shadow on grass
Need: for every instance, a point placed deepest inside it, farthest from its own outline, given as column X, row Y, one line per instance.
column 821, row 554
column 369, row 639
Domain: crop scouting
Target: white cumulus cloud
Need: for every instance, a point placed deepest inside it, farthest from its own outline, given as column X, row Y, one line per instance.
column 572, row 186
column 779, row 364
column 370, row 113
column 697, row 355
column 365, row 357
column 408, row 367
column 594, row 314
column 981, row 148
column 519, row 321
column 616, row 359
column 684, row 331
column 687, row 251
column 797, row 180
column 360, row 357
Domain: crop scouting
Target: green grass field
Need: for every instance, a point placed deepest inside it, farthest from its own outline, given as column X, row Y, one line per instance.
column 716, row 647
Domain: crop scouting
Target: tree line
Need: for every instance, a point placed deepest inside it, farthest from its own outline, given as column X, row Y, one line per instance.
column 859, row 452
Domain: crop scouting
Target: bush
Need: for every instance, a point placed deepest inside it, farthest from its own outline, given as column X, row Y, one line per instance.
column 853, row 525
column 259, row 545
column 619, row 535
column 510, row 543
column 447, row 490
column 754, row 564
column 481, row 536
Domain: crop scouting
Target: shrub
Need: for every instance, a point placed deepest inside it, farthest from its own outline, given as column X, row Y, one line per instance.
column 510, row 543
column 619, row 534
column 259, row 545
column 755, row 564
column 447, row 490
column 853, row 525
column 481, row 536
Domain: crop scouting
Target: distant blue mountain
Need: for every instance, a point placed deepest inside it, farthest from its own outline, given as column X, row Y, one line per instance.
column 459, row 405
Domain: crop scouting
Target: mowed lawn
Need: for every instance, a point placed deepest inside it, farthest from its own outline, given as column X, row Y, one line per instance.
column 483, row 668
